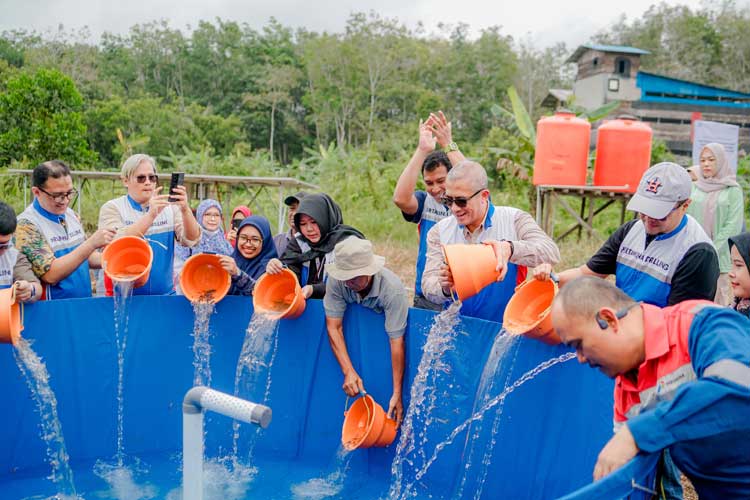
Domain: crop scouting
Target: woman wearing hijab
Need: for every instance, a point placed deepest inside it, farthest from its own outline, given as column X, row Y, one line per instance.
column 739, row 274
column 240, row 213
column 319, row 226
column 717, row 205
column 209, row 216
column 254, row 249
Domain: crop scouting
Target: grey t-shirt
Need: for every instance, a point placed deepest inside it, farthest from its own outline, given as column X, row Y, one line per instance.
column 387, row 295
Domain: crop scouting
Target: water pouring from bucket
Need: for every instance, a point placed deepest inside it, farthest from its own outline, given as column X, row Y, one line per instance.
column 366, row 425
column 279, row 295
column 128, row 260
column 11, row 316
column 528, row 311
column 473, row 267
column 203, row 279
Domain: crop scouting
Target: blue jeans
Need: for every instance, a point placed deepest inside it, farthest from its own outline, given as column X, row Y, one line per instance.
column 668, row 485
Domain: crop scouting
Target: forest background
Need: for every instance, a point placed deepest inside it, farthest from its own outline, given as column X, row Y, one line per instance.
column 340, row 110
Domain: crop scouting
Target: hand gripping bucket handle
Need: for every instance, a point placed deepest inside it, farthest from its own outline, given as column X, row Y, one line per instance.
column 11, row 317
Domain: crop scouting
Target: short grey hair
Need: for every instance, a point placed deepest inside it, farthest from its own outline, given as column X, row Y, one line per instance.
column 470, row 171
column 129, row 166
column 584, row 296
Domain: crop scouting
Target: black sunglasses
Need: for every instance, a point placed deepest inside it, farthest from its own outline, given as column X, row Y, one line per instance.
column 460, row 201
column 140, row 179
column 59, row 197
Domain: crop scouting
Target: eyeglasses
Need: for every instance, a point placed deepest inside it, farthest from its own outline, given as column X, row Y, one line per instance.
column 663, row 219
column 59, row 197
column 152, row 178
column 619, row 315
column 212, row 216
column 249, row 239
column 460, row 201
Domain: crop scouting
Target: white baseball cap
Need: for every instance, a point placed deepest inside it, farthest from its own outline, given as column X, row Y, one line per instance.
column 661, row 187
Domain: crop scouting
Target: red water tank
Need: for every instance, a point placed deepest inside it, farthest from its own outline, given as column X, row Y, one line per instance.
column 623, row 153
column 562, row 150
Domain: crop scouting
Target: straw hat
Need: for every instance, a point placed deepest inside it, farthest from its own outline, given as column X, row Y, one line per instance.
column 353, row 257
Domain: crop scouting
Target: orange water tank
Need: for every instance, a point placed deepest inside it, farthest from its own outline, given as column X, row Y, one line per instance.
column 623, row 153
column 562, row 150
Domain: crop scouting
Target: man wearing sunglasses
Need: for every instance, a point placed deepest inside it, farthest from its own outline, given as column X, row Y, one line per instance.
column 514, row 235
column 682, row 381
column 51, row 236
column 145, row 212
column 425, row 208
column 15, row 268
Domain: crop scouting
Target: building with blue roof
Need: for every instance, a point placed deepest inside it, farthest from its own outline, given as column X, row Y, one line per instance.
column 609, row 73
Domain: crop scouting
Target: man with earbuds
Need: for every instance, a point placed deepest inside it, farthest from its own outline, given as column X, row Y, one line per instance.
column 682, row 381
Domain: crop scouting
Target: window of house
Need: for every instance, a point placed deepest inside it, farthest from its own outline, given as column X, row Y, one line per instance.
column 622, row 66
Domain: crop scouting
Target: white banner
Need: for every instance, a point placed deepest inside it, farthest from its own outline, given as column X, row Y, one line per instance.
column 707, row 132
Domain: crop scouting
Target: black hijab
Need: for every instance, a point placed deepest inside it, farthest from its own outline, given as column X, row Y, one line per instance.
column 327, row 214
column 742, row 242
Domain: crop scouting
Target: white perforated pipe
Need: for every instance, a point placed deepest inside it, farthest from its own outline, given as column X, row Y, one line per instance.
column 195, row 402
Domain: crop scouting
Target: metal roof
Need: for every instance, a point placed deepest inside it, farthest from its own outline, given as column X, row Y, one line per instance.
column 620, row 49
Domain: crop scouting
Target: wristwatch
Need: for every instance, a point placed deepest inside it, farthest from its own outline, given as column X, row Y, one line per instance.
column 452, row 147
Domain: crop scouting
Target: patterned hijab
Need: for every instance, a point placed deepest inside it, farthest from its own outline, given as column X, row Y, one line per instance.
column 211, row 241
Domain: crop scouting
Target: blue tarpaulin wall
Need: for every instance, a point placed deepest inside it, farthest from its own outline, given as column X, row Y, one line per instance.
column 549, row 433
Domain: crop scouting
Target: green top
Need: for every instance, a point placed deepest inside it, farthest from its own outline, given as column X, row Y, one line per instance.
column 729, row 216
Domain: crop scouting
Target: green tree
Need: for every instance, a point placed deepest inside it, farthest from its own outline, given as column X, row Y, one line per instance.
column 41, row 118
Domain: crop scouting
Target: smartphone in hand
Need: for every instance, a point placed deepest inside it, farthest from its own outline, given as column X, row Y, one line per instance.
column 236, row 223
column 178, row 178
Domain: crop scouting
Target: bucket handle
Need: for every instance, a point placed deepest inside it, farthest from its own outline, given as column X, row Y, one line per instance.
column 346, row 405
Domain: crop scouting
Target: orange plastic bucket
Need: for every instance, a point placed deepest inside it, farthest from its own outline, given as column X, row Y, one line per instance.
column 528, row 311
column 472, row 267
column 128, row 259
column 11, row 317
column 203, row 279
column 366, row 425
column 279, row 295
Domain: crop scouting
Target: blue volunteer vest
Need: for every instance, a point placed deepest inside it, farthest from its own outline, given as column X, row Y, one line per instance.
column 646, row 273
column 7, row 263
column 499, row 224
column 160, row 237
column 63, row 233
column 432, row 213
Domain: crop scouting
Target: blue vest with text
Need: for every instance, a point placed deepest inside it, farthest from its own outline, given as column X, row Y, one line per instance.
column 161, row 238
column 64, row 233
column 432, row 213
column 7, row 263
column 645, row 273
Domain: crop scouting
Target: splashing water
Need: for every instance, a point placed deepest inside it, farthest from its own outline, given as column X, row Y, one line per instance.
column 223, row 479
column 502, row 344
column 253, row 361
column 201, row 342
column 123, row 292
column 37, row 379
column 423, row 394
column 330, row 486
column 122, row 481
column 529, row 375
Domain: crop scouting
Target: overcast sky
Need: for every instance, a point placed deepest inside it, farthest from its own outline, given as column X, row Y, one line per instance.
column 544, row 22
